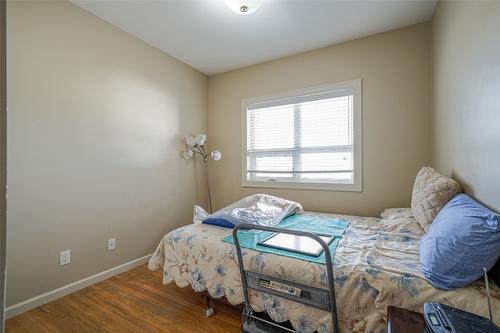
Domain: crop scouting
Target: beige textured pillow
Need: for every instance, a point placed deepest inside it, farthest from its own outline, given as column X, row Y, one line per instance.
column 431, row 192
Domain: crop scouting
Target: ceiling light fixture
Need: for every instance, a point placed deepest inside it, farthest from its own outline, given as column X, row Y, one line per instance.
column 244, row 7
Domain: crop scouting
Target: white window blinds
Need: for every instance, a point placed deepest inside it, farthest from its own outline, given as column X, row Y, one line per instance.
column 302, row 139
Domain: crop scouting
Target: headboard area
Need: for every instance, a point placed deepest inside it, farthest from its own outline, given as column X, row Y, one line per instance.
column 466, row 139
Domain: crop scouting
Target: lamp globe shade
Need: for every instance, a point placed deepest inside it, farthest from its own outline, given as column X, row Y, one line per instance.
column 187, row 154
column 190, row 141
column 216, row 155
column 200, row 139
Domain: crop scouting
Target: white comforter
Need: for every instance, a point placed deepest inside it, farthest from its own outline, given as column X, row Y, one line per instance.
column 376, row 265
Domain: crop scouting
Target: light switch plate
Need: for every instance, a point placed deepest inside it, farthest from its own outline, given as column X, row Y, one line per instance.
column 64, row 257
column 111, row 244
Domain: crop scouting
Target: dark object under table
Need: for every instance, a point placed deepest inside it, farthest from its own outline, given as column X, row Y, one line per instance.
column 404, row 321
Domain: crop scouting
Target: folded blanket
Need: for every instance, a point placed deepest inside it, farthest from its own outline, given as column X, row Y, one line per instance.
column 259, row 209
column 315, row 224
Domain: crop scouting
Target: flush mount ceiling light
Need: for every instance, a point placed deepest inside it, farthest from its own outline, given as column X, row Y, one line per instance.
column 244, row 7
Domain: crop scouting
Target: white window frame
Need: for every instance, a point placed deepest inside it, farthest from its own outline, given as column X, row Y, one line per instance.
column 356, row 186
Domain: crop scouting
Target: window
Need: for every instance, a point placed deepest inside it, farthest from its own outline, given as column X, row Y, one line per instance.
column 304, row 139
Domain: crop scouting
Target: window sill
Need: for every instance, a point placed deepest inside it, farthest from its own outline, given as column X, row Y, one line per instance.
column 304, row 186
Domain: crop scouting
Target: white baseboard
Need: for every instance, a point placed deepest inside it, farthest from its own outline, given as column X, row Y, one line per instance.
column 31, row 303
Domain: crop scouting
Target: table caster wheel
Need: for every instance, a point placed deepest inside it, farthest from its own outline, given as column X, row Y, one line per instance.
column 208, row 312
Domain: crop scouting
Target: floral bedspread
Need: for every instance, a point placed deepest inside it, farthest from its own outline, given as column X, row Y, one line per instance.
column 376, row 265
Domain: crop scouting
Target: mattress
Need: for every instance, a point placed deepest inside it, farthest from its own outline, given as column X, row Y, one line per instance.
column 376, row 264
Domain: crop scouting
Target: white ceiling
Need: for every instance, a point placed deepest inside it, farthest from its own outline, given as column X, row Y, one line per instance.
column 207, row 35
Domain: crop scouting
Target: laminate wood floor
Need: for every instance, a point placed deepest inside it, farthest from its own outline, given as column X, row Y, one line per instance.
column 133, row 301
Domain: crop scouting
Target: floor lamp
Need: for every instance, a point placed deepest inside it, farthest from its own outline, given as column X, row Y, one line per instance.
column 196, row 145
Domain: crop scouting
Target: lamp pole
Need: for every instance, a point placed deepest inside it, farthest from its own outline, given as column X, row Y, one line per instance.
column 196, row 145
column 208, row 187
column 205, row 162
column 200, row 149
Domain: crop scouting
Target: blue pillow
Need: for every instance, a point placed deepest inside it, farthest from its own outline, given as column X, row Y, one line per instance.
column 463, row 238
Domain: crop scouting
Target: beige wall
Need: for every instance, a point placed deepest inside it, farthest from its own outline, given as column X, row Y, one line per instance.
column 466, row 121
column 96, row 125
column 395, row 69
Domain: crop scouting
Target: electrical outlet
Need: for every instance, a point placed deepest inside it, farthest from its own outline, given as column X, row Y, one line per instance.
column 64, row 257
column 111, row 244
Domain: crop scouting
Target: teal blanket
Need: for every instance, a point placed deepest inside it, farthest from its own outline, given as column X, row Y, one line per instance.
column 315, row 224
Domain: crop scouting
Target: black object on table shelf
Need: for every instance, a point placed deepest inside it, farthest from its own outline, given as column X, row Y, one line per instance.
column 441, row 318
column 446, row 320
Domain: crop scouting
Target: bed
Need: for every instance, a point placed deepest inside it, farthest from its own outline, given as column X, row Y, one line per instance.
column 376, row 264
